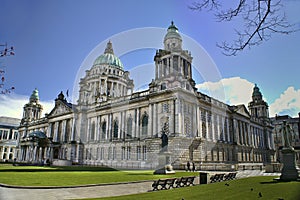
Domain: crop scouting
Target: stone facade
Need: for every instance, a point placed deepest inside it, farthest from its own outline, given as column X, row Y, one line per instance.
column 114, row 126
column 8, row 138
column 294, row 124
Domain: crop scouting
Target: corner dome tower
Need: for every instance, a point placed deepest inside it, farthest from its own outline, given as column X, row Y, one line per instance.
column 33, row 109
column 258, row 107
column 109, row 58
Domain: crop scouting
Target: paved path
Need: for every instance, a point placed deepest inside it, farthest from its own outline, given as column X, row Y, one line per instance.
column 73, row 193
column 95, row 191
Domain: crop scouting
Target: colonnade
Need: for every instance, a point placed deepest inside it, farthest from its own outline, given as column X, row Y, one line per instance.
column 173, row 64
column 34, row 153
column 62, row 131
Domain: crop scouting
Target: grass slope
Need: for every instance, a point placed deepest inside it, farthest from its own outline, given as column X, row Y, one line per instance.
column 72, row 176
column 247, row 188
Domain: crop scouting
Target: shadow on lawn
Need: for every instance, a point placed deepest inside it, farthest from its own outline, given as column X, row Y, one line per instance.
column 56, row 169
column 270, row 182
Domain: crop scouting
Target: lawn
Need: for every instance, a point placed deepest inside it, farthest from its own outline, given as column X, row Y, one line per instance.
column 247, row 188
column 72, row 176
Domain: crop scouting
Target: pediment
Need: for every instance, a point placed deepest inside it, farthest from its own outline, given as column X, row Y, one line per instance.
column 60, row 109
column 242, row 110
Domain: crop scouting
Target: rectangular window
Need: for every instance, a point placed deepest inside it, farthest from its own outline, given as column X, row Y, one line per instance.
column 144, row 152
column 138, row 152
column 5, row 135
column 128, row 153
column 109, row 153
column 102, row 153
column 123, row 153
column 114, row 153
column 98, row 153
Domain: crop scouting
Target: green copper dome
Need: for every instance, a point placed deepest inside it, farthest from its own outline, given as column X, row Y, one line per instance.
column 37, row 134
column 256, row 93
column 172, row 32
column 35, row 95
column 108, row 58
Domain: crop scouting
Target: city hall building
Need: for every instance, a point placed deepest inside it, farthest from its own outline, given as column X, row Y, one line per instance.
column 114, row 126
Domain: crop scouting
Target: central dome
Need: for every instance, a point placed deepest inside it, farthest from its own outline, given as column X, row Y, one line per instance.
column 109, row 58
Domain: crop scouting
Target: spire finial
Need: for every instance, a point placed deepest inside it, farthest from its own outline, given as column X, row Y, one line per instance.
column 109, row 48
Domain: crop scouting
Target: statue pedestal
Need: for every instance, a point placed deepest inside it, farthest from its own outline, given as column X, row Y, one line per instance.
column 164, row 165
column 289, row 171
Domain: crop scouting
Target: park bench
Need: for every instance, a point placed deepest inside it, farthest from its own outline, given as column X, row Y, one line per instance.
column 217, row 178
column 185, row 181
column 163, row 184
column 230, row 176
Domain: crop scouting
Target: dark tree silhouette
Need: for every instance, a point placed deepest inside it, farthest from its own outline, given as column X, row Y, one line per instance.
column 5, row 51
column 261, row 19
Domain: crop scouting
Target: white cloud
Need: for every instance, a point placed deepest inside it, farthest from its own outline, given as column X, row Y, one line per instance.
column 11, row 105
column 287, row 104
column 232, row 91
column 236, row 90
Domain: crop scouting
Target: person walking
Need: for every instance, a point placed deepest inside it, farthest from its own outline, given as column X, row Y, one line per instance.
column 188, row 165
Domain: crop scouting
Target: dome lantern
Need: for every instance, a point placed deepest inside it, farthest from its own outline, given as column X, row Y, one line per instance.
column 34, row 96
column 172, row 40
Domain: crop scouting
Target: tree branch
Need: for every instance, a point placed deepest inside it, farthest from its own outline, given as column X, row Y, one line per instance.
column 261, row 19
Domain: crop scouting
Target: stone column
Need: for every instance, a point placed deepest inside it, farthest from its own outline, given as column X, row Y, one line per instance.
column 34, row 153
column 55, row 131
column 121, row 124
column 109, row 127
column 63, row 131
column 150, row 121
column 199, row 122
column 138, row 122
column 180, row 117
column 206, row 124
column 154, row 124
column 213, row 137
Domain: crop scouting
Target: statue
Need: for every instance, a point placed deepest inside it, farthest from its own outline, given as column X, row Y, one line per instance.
column 289, row 170
column 164, row 140
column 164, row 156
column 286, row 132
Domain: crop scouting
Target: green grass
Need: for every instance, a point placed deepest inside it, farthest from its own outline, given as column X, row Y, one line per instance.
column 237, row 189
column 72, row 176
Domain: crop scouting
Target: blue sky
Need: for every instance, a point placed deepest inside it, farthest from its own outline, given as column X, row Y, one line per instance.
column 53, row 38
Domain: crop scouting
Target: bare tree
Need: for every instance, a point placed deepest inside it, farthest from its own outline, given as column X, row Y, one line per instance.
column 5, row 51
column 261, row 19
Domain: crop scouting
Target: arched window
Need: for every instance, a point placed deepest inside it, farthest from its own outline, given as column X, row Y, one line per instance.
column 145, row 124
column 116, row 129
column 129, row 127
column 93, row 131
column 103, row 132
column 187, row 127
column 203, row 130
